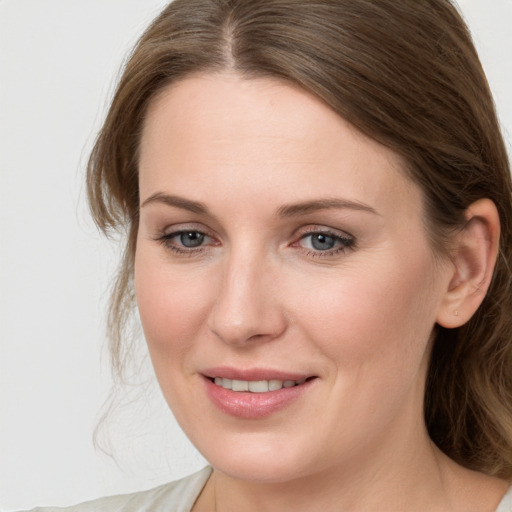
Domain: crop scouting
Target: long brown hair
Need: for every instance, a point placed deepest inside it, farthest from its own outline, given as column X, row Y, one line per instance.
column 406, row 74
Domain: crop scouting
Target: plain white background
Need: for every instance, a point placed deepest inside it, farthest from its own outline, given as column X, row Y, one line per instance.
column 58, row 63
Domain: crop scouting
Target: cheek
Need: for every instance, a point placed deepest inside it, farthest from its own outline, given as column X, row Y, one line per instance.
column 374, row 312
column 171, row 306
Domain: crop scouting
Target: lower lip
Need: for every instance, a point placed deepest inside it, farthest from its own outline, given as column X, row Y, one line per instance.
column 246, row 405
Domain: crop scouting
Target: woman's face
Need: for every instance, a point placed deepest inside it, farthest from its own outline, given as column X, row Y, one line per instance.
column 280, row 247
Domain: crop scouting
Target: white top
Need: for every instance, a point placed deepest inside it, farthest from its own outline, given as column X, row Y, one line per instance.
column 506, row 503
column 178, row 496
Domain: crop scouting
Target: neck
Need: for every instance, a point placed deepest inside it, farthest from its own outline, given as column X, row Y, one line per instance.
column 449, row 487
column 386, row 480
column 430, row 481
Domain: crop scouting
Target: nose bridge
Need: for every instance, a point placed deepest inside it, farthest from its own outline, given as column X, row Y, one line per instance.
column 246, row 307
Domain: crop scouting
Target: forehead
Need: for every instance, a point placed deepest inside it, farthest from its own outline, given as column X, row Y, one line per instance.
column 221, row 130
column 233, row 109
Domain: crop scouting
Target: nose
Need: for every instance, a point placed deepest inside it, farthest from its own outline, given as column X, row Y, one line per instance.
column 247, row 308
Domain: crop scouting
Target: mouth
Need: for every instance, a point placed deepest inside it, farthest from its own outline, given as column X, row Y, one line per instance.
column 255, row 393
column 257, row 386
column 256, row 397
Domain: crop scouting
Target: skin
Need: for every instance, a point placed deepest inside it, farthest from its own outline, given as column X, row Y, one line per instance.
column 257, row 293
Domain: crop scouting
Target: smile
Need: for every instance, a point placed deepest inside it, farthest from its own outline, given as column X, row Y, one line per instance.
column 256, row 386
column 255, row 397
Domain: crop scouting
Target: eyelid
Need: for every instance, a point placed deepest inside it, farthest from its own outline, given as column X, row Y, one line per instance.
column 317, row 228
column 345, row 240
column 166, row 237
column 175, row 229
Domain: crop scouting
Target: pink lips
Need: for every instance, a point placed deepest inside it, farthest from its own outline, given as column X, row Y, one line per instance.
column 248, row 405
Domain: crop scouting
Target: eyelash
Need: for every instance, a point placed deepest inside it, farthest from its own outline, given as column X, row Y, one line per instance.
column 345, row 243
column 166, row 239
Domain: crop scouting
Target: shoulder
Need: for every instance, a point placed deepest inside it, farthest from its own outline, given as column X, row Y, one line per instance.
column 180, row 495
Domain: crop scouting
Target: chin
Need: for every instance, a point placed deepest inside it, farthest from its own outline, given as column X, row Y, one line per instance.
column 258, row 457
column 266, row 470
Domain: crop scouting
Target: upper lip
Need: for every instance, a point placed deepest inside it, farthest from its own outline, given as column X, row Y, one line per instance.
column 252, row 374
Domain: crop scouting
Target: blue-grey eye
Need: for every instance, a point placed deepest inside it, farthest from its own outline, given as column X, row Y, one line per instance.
column 191, row 238
column 322, row 241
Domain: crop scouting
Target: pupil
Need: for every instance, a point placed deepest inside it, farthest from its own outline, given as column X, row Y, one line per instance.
column 191, row 239
column 322, row 242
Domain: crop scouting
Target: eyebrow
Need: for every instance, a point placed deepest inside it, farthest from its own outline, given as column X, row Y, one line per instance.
column 296, row 209
column 177, row 202
column 289, row 210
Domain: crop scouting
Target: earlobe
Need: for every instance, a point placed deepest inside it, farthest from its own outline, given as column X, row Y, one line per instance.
column 473, row 258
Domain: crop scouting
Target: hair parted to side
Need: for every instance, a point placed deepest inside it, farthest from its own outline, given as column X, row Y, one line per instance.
column 406, row 74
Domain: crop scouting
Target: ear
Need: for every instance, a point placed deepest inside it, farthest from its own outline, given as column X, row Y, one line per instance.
column 473, row 258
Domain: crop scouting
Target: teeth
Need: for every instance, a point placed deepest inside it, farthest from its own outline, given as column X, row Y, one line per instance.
column 274, row 385
column 225, row 383
column 240, row 385
column 256, row 386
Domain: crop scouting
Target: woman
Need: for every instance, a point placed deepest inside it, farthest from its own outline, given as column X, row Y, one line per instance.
column 318, row 206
